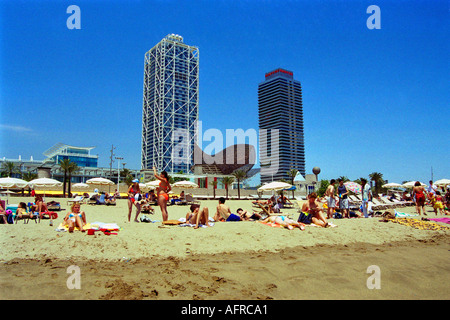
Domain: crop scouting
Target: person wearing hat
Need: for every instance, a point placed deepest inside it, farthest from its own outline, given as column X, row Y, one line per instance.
column 133, row 192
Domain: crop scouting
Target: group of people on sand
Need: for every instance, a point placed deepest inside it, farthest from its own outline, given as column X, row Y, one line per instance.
column 162, row 195
column 439, row 202
column 338, row 198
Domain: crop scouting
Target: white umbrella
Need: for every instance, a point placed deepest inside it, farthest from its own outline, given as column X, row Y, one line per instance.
column 274, row 186
column 12, row 183
column 185, row 184
column 152, row 184
column 45, row 182
column 392, row 185
column 100, row 181
column 442, row 182
column 411, row 184
column 80, row 185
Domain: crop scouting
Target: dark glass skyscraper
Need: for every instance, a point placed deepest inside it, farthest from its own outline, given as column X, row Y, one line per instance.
column 281, row 142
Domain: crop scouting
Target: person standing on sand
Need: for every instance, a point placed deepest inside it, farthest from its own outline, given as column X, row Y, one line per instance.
column 133, row 190
column 343, row 201
column 366, row 197
column 331, row 201
column 419, row 196
column 163, row 192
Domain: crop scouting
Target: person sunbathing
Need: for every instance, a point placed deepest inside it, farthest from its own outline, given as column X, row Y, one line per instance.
column 285, row 222
column 312, row 212
column 22, row 213
column 40, row 206
column 197, row 216
column 247, row 216
column 75, row 218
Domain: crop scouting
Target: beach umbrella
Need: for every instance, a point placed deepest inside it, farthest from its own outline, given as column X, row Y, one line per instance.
column 9, row 182
column 185, row 184
column 353, row 186
column 80, row 185
column 45, row 182
column 100, row 181
column 12, row 183
column 442, row 182
column 411, row 184
column 274, row 186
column 392, row 185
column 152, row 184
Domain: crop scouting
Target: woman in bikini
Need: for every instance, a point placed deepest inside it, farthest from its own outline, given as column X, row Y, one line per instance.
column 197, row 216
column 75, row 218
column 419, row 196
column 162, row 192
column 133, row 190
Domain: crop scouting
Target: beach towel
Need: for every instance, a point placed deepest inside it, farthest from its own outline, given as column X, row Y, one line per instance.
column 271, row 224
column 403, row 215
column 182, row 223
column 444, row 220
column 63, row 228
column 418, row 224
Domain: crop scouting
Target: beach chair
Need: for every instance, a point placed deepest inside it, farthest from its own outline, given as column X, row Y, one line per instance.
column 190, row 199
column 388, row 202
column 53, row 206
column 378, row 205
column 79, row 199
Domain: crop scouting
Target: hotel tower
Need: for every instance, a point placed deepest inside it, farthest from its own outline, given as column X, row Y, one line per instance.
column 170, row 106
column 281, row 142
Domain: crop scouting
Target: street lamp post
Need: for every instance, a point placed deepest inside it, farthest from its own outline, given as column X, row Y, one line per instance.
column 118, row 172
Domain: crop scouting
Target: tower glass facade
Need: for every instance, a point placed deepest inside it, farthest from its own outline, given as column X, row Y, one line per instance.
column 170, row 106
column 281, row 144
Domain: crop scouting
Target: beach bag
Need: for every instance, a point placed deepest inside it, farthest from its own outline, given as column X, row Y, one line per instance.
column 9, row 217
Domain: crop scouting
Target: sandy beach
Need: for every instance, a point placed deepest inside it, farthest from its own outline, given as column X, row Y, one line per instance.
column 230, row 260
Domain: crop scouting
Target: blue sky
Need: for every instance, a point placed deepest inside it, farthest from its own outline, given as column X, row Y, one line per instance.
column 374, row 100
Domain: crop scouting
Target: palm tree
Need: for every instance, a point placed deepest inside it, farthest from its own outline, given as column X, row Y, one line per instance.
column 65, row 164
column 214, row 185
column 292, row 173
column 227, row 181
column 240, row 175
column 73, row 168
column 378, row 178
column 28, row 176
column 8, row 169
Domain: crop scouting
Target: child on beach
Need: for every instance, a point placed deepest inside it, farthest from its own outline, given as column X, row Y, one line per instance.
column 75, row 218
column 438, row 203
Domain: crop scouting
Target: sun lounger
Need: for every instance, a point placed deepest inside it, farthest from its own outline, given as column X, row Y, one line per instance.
column 79, row 199
column 190, row 199
column 378, row 205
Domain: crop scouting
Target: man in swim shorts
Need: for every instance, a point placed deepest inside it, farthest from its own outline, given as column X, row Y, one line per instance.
column 223, row 212
column 331, row 201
